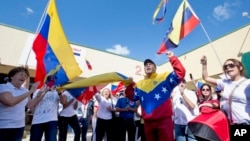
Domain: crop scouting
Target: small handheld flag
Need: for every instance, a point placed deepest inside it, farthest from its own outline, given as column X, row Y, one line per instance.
column 88, row 64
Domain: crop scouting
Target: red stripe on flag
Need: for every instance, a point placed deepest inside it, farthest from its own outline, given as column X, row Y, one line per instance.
column 188, row 26
column 39, row 48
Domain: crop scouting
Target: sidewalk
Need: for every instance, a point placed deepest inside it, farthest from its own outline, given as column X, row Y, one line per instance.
column 70, row 137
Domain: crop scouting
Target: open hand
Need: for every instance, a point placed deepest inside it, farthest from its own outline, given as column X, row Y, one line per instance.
column 34, row 86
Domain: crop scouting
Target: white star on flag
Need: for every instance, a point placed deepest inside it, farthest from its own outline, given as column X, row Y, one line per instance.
column 171, row 80
column 157, row 96
column 164, row 90
column 142, row 99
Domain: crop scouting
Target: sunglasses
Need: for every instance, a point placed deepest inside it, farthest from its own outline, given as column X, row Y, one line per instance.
column 206, row 90
column 229, row 66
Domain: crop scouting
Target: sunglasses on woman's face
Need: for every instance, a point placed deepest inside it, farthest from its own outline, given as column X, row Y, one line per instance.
column 206, row 90
column 231, row 65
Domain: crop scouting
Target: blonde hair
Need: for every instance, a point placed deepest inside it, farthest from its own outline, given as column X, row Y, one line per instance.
column 238, row 65
column 106, row 89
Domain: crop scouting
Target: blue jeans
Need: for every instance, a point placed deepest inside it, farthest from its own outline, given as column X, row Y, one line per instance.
column 49, row 128
column 85, row 125
column 182, row 133
column 11, row 134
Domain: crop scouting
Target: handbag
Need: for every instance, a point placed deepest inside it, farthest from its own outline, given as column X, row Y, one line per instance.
column 230, row 100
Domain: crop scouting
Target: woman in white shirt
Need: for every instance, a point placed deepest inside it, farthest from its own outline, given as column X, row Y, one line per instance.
column 104, row 115
column 236, row 88
column 45, row 106
column 68, row 116
column 13, row 99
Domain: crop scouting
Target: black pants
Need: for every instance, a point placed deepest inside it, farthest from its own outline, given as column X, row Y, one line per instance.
column 140, row 128
column 127, row 126
column 104, row 126
column 63, row 123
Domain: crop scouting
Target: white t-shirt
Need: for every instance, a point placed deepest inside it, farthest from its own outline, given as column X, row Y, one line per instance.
column 182, row 114
column 46, row 110
column 13, row 116
column 103, row 104
column 240, row 99
column 68, row 111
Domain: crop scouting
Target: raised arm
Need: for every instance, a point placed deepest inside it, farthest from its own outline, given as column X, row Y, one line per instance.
column 205, row 73
column 177, row 65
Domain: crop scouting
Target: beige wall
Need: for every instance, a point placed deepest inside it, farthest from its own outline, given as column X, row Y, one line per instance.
column 15, row 45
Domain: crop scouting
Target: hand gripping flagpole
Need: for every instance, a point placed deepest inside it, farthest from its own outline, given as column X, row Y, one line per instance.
column 38, row 28
column 211, row 43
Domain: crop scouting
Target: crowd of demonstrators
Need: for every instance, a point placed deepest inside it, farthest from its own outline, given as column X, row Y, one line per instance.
column 235, row 90
column 87, row 112
column 13, row 99
column 185, row 108
column 44, row 105
column 153, row 94
column 68, row 117
column 162, row 109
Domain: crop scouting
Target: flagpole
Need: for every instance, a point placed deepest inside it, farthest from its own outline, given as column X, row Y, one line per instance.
column 211, row 43
column 39, row 25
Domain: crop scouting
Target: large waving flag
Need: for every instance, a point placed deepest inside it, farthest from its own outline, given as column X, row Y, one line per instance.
column 84, row 89
column 52, row 49
column 185, row 20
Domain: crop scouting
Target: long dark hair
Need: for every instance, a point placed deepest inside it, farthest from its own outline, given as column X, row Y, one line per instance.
column 209, row 87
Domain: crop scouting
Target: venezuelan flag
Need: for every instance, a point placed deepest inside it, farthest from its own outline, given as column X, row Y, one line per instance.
column 52, row 49
column 185, row 20
column 84, row 89
column 86, row 93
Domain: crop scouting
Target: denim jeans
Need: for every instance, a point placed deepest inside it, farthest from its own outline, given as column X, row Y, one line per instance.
column 85, row 125
column 63, row 123
column 49, row 128
column 182, row 133
column 11, row 134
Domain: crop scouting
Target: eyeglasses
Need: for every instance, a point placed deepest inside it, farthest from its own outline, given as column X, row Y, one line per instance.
column 206, row 90
column 231, row 65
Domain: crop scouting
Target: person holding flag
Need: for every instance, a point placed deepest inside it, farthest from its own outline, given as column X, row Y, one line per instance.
column 153, row 94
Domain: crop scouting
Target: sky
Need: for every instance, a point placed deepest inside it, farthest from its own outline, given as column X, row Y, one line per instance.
column 125, row 27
